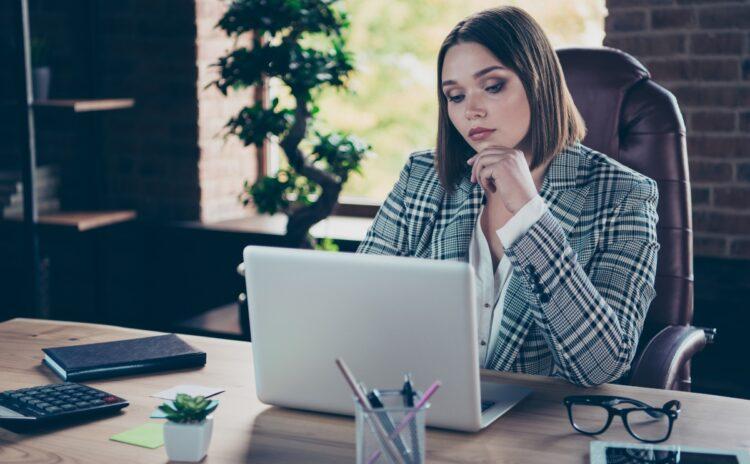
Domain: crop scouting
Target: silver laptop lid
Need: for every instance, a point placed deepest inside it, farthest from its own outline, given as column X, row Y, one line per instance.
column 383, row 315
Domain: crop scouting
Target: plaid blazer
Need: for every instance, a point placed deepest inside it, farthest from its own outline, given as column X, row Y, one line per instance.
column 583, row 275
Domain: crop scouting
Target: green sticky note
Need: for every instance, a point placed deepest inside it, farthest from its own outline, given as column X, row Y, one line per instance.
column 149, row 435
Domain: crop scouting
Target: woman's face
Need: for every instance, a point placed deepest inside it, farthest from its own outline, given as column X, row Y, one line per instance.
column 481, row 92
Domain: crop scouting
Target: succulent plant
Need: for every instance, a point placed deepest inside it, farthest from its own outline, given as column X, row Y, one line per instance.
column 186, row 408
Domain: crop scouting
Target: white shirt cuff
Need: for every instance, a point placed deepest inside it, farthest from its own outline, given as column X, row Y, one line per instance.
column 522, row 221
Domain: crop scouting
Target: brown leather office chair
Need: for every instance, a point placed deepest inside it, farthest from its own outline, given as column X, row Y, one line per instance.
column 637, row 122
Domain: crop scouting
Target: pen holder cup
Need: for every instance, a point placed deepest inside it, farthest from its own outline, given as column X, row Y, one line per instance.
column 404, row 427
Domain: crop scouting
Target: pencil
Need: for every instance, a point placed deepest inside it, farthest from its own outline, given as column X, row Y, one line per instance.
column 405, row 421
column 390, row 448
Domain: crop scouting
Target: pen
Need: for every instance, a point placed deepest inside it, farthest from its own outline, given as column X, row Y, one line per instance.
column 422, row 401
column 377, row 403
column 386, row 443
column 408, row 393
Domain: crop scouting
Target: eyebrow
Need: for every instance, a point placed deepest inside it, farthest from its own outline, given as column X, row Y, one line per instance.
column 477, row 74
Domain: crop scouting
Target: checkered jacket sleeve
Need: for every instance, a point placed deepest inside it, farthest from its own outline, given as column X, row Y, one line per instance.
column 388, row 233
column 591, row 318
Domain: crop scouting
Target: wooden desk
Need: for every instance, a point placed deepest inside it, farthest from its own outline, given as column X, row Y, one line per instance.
column 246, row 431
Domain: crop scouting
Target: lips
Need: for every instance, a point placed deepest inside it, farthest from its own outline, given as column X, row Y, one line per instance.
column 479, row 133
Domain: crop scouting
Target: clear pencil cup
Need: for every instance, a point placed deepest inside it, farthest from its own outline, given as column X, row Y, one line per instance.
column 402, row 426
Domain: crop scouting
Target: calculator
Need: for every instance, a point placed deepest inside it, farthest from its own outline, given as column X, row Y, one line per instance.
column 29, row 408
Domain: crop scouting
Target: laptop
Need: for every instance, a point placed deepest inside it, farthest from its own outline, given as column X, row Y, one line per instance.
column 384, row 315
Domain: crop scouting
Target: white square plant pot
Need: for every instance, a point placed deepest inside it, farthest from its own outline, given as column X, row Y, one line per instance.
column 188, row 442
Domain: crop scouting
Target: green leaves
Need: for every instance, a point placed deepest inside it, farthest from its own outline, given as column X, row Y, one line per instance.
column 290, row 16
column 326, row 244
column 337, row 153
column 254, row 124
column 300, row 68
column 188, row 408
column 340, row 153
column 280, row 193
column 305, row 48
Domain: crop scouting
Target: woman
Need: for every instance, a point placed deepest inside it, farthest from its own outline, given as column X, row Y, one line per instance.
column 562, row 238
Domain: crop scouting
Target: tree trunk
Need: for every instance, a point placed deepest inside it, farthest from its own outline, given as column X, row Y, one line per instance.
column 301, row 221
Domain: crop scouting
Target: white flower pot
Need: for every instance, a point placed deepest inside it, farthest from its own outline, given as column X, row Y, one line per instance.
column 188, row 442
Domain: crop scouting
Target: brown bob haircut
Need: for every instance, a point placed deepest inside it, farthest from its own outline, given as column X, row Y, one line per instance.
column 517, row 40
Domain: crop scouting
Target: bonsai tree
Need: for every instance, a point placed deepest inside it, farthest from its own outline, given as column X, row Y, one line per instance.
column 188, row 408
column 307, row 190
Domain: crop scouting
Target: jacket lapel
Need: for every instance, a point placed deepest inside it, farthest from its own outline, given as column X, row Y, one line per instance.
column 565, row 187
column 453, row 224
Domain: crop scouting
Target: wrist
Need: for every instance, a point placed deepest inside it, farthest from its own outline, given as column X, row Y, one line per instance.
column 522, row 202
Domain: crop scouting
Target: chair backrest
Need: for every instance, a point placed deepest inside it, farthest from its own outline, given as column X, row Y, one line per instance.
column 635, row 121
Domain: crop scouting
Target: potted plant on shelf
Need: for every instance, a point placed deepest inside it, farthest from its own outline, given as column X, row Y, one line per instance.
column 187, row 432
column 307, row 190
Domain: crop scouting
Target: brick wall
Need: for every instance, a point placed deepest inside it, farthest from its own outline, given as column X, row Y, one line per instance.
column 224, row 163
column 165, row 157
column 699, row 50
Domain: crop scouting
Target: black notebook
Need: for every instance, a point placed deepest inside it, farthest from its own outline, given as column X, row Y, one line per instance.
column 125, row 357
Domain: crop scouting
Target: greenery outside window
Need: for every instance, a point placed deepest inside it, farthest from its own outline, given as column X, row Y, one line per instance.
column 394, row 101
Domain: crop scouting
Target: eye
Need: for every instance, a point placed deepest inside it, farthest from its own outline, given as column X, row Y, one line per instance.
column 495, row 88
column 455, row 98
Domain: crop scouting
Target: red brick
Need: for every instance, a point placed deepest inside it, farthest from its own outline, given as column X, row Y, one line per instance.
column 715, row 43
column 709, row 246
column 729, row 96
column 695, row 70
column 707, row 2
column 740, row 248
column 743, row 172
column 744, row 119
column 712, row 121
column 732, row 197
column 706, row 171
column 727, row 223
column 700, row 195
column 628, row 3
column 671, row 18
column 725, row 17
column 648, row 45
column 719, row 146
column 625, row 21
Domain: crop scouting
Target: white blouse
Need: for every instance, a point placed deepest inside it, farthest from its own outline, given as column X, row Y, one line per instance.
column 491, row 286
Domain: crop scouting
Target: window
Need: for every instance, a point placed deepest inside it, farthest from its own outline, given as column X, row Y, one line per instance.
column 394, row 104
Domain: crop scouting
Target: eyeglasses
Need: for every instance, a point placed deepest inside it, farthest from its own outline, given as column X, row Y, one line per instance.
column 592, row 415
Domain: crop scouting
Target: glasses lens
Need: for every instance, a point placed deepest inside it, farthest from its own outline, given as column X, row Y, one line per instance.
column 649, row 425
column 589, row 418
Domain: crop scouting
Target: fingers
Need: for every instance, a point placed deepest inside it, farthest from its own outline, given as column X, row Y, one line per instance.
column 486, row 178
column 482, row 160
column 491, row 150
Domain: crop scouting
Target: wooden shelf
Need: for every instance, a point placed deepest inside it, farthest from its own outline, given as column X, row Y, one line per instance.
column 87, row 220
column 83, row 105
column 83, row 220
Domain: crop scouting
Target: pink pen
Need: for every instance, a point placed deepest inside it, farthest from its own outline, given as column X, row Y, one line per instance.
column 405, row 421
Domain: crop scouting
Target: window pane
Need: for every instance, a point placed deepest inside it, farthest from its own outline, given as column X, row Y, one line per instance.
column 395, row 43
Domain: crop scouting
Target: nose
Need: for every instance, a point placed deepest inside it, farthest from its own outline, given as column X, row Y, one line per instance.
column 474, row 108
